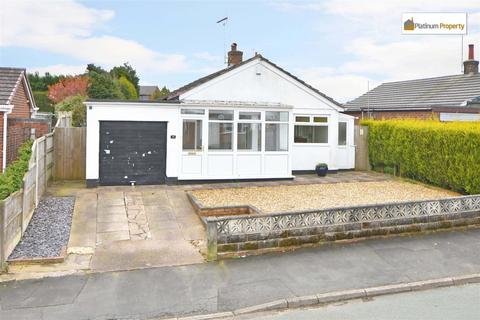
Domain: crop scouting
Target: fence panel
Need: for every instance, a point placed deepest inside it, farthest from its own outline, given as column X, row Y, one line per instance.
column 70, row 148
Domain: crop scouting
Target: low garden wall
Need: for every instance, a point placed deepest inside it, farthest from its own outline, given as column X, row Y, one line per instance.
column 251, row 234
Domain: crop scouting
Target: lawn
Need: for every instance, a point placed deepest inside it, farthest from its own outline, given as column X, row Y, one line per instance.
column 319, row 196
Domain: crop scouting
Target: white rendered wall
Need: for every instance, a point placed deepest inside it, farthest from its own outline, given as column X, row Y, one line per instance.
column 131, row 112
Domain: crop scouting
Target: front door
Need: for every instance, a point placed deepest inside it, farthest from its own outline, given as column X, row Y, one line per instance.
column 192, row 147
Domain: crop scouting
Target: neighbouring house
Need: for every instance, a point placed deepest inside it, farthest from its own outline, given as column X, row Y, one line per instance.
column 18, row 120
column 148, row 92
column 448, row 98
column 251, row 120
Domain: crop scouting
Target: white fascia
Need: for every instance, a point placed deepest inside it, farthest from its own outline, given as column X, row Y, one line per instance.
column 6, row 109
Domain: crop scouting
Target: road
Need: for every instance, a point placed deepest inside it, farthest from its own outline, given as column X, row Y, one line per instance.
column 452, row 303
column 238, row 283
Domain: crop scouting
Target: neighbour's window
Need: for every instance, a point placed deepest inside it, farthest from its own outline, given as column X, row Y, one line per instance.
column 276, row 131
column 192, row 134
column 249, row 136
column 311, row 129
column 220, row 115
column 342, row 133
column 220, row 130
column 193, row 111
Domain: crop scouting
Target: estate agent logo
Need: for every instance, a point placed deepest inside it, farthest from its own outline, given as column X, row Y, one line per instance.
column 434, row 23
column 409, row 25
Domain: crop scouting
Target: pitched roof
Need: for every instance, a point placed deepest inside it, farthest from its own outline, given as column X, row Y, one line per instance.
column 147, row 90
column 9, row 79
column 446, row 91
column 176, row 93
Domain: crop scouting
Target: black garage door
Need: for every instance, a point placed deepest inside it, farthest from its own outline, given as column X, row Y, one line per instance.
column 132, row 152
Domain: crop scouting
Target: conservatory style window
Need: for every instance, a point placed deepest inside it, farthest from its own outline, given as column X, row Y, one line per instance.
column 276, row 131
column 249, row 131
column 311, row 129
column 220, row 130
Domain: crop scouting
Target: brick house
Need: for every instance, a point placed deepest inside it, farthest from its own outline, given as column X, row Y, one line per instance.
column 447, row 98
column 18, row 121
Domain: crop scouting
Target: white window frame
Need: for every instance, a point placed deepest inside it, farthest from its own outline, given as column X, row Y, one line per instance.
column 233, row 132
column 311, row 123
column 264, row 130
column 257, row 121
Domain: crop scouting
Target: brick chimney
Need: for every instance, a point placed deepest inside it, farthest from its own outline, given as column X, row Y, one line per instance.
column 234, row 56
column 470, row 65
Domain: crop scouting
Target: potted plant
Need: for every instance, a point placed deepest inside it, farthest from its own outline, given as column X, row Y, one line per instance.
column 321, row 169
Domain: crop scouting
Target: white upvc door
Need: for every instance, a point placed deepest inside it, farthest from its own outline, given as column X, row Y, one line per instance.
column 193, row 147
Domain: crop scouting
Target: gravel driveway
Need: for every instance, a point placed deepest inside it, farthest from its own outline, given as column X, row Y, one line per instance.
column 319, row 196
column 48, row 230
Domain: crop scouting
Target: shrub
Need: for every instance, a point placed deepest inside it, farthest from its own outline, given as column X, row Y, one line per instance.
column 12, row 179
column 76, row 106
column 67, row 87
column 443, row 154
column 127, row 88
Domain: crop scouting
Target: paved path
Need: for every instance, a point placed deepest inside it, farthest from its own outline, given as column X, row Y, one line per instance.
column 232, row 284
column 453, row 303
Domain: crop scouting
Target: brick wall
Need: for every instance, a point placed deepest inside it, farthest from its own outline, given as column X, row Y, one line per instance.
column 19, row 130
column 21, row 104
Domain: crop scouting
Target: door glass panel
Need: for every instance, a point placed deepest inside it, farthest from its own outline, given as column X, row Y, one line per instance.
column 276, row 137
column 192, row 134
column 342, row 133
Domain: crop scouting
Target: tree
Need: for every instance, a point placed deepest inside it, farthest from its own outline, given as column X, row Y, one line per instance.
column 76, row 106
column 41, row 83
column 127, row 88
column 67, row 87
column 102, row 86
column 43, row 102
column 160, row 94
column 128, row 72
column 93, row 68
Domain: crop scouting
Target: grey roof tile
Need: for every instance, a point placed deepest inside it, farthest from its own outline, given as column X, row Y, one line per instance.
column 451, row 91
column 8, row 80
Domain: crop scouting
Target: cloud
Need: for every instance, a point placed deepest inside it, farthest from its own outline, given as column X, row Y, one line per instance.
column 60, row 69
column 67, row 27
column 208, row 56
column 373, row 49
column 342, row 87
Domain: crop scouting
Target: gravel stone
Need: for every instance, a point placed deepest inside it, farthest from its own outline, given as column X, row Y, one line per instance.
column 319, row 196
column 48, row 230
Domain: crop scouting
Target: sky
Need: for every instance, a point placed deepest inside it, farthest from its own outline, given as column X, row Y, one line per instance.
column 341, row 47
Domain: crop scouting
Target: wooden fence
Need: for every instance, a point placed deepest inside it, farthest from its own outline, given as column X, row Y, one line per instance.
column 17, row 210
column 70, row 148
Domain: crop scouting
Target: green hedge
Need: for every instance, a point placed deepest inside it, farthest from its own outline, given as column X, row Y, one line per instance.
column 12, row 179
column 442, row 154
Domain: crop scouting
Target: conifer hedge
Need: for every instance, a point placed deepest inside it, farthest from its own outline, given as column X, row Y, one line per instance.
column 438, row 153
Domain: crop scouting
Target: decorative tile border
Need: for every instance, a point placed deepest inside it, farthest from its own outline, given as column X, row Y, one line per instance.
column 248, row 224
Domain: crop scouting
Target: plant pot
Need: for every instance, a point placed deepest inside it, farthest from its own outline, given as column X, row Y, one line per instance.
column 321, row 171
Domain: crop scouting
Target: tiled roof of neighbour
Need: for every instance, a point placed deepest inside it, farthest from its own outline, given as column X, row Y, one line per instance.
column 147, row 90
column 9, row 77
column 176, row 93
column 446, row 91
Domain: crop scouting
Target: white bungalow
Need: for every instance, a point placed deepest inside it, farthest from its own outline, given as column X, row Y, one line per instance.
column 252, row 120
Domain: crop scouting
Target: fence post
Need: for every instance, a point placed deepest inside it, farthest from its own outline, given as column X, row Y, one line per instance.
column 211, row 239
column 36, row 174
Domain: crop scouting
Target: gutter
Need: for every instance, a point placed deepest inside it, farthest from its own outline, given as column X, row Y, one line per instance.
column 6, row 109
